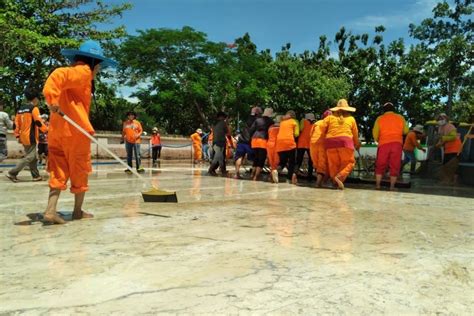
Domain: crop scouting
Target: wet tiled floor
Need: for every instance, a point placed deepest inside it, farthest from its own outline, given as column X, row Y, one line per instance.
column 232, row 246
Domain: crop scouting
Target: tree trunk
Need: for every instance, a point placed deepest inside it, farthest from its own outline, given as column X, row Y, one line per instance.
column 449, row 104
column 204, row 119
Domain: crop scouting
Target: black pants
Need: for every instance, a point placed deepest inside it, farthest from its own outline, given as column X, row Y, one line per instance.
column 218, row 159
column 288, row 158
column 300, row 157
column 155, row 152
column 42, row 149
column 260, row 155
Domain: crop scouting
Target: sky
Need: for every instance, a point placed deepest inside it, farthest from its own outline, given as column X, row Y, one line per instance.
column 273, row 23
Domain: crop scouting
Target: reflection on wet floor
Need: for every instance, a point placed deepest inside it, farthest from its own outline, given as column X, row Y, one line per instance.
column 236, row 246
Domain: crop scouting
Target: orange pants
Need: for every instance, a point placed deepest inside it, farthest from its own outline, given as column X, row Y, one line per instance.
column 197, row 148
column 272, row 156
column 318, row 157
column 69, row 158
column 340, row 162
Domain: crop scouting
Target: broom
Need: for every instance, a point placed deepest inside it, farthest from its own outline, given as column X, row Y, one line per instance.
column 449, row 169
column 153, row 195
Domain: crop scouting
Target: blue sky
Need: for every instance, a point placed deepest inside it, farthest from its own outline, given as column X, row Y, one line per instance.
column 272, row 23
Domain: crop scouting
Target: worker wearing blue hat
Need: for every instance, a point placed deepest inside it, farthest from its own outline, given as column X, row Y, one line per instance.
column 69, row 89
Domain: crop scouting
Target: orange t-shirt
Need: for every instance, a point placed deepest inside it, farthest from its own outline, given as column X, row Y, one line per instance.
column 305, row 135
column 411, row 142
column 70, row 88
column 286, row 135
column 343, row 129
column 389, row 128
column 132, row 130
column 316, row 133
column 155, row 140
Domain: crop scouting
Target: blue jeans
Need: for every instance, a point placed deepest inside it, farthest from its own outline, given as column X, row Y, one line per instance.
column 131, row 149
column 409, row 158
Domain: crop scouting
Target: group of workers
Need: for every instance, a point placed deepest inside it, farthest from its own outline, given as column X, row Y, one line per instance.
column 281, row 142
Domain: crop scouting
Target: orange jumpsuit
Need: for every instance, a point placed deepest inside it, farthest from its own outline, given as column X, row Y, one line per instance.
column 341, row 137
column 69, row 150
column 317, row 149
column 197, row 146
column 272, row 154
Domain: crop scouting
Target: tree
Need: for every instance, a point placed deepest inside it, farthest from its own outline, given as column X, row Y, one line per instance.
column 448, row 38
column 33, row 32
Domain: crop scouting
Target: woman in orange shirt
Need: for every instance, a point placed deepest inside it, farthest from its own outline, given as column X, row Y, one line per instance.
column 155, row 141
column 318, row 150
column 342, row 136
column 286, row 145
column 272, row 154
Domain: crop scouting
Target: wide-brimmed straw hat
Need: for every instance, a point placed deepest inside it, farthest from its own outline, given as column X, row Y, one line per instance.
column 90, row 49
column 154, row 129
column 343, row 106
column 418, row 128
column 199, row 131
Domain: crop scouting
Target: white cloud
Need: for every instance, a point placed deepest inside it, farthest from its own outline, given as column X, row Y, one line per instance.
column 416, row 12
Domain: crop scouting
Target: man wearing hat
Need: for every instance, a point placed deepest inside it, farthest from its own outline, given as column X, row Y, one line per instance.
column 388, row 132
column 303, row 143
column 259, row 133
column 197, row 145
column 28, row 124
column 69, row 89
column 132, row 136
column 411, row 142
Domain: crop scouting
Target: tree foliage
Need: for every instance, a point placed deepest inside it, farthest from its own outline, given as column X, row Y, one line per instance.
column 33, row 32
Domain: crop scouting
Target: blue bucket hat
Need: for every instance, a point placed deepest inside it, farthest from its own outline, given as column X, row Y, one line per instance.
column 90, row 49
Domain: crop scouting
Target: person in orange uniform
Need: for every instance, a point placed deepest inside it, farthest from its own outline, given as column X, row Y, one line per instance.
column 131, row 134
column 197, row 145
column 286, row 145
column 259, row 134
column 303, row 143
column 388, row 132
column 450, row 139
column 155, row 141
column 318, row 151
column 411, row 142
column 272, row 154
column 69, row 89
column 342, row 136
column 28, row 124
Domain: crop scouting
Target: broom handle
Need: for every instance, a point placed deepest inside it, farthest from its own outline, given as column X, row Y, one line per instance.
column 85, row 133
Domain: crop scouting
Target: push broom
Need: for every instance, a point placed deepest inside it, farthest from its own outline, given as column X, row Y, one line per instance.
column 153, row 195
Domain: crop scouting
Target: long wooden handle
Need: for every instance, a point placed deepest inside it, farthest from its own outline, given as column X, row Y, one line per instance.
column 85, row 133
